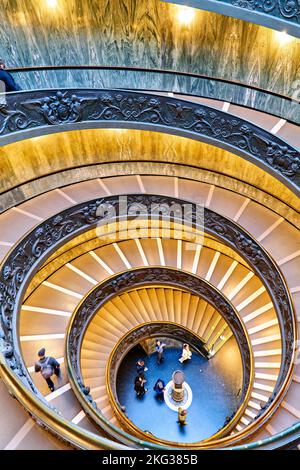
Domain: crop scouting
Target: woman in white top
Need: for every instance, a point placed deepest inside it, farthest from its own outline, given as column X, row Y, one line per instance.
column 186, row 353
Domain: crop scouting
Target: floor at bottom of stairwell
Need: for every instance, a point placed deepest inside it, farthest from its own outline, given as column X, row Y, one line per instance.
column 214, row 395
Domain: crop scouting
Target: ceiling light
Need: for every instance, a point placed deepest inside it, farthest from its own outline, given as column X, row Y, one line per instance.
column 283, row 37
column 52, row 3
column 185, row 15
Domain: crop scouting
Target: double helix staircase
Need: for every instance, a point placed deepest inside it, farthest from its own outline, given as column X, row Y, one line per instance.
column 52, row 299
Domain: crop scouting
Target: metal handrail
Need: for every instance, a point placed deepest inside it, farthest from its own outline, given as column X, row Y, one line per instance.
column 286, row 431
column 74, row 368
column 113, row 395
column 145, row 70
column 9, row 375
column 47, row 111
column 175, row 74
column 80, row 331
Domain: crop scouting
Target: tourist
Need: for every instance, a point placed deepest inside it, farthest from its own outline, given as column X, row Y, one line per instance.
column 159, row 388
column 186, row 353
column 7, row 78
column 7, row 84
column 48, row 366
column 141, row 369
column 182, row 415
column 159, row 348
column 139, row 386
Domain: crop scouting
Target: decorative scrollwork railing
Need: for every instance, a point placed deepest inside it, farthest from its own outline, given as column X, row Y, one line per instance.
column 141, row 277
column 31, row 252
column 41, row 112
column 275, row 14
column 161, row 81
column 166, row 330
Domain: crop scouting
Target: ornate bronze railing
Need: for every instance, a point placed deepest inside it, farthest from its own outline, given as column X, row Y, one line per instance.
column 162, row 81
column 160, row 329
column 282, row 15
column 30, row 253
column 142, row 277
column 117, row 234
column 48, row 111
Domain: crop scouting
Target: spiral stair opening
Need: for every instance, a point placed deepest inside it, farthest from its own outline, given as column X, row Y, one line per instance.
column 89, row 151
column 147, row 412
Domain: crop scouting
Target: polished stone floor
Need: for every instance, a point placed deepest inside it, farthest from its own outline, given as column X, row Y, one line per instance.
column 214, row 395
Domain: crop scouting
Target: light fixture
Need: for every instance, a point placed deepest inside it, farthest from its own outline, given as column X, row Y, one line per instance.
column 52, row 3
column 222, row 337
column 283, row 37
column 185, row 15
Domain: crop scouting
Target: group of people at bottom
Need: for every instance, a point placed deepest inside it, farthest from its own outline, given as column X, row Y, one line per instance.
column 159, row 387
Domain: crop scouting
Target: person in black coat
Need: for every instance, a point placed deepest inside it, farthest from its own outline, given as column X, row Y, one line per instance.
column 139, row 386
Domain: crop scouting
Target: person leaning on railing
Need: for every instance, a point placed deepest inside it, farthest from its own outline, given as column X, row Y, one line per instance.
column 7, row 84
column 186, row 353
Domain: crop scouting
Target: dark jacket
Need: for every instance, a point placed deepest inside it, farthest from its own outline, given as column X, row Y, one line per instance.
column 159, row 386
column 51, row 362
column 140, row 370
column 139, row 386
column 7, row 78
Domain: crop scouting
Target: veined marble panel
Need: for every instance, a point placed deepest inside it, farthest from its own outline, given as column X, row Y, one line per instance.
column 143, row 33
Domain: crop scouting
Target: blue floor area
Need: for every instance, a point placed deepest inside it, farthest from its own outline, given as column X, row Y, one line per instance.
column 214, row 396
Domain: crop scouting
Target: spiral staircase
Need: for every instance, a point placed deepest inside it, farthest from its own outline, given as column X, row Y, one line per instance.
column 56, row 171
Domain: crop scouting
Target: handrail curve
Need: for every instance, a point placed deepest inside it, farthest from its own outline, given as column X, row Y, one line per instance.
column 41, row 112
column 28, row 255
column 173, row 82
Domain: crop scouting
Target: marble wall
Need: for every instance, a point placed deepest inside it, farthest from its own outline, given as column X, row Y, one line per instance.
column 144, row 33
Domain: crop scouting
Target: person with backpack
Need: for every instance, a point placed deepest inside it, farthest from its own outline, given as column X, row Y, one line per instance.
column 47, row 366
